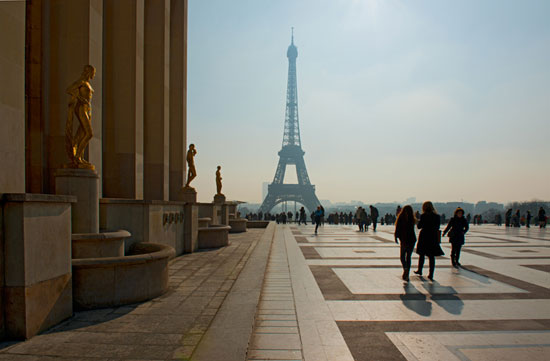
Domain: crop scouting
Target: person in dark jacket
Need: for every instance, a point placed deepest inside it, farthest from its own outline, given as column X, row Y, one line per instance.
column 374, row 217
column 457, row 228
column 542, row 218
column 428, row 238
column 404, row 232
column 318, row 216
column 508, row 217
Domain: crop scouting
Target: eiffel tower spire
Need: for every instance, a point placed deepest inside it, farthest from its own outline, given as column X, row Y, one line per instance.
column 291, row 151
column 292, row 124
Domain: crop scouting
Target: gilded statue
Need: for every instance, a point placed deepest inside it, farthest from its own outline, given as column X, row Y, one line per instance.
column 219, row 181
column 191, row 171
column 80, row 106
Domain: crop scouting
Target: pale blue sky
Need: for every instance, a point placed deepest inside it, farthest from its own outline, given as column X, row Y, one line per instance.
column 440, row 100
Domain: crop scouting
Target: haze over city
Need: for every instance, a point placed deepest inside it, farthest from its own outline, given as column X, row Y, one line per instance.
column 445, row 101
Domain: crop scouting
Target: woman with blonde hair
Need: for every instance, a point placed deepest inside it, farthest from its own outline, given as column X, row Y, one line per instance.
column 404, row 231
column 457, row 228
column 428, row 238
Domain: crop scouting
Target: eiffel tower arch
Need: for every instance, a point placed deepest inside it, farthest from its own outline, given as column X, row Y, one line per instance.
column 291, row 152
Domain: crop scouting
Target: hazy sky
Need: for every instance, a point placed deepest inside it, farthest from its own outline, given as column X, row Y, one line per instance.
column 440, row 100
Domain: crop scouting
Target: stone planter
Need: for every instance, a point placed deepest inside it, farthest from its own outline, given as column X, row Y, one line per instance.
column 97, row 245
column 257, row 224
column 204, row 222
column 214, row 236
column 238, row 225
column 115, row 281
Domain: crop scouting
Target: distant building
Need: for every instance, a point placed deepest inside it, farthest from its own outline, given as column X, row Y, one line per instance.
column 483, row 206
column 410, row 200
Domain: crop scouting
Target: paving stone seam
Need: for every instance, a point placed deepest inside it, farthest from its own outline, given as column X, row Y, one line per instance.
column 276, row 281
column 244, row 258
column 223, row 341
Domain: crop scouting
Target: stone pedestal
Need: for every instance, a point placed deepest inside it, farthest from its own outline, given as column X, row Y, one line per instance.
column 224, row 214
column 189, row 195
column 219, row 199
column 36, row 262
column 190, row 227
column 84, row 184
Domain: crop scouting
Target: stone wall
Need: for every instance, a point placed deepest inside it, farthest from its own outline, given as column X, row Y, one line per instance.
column 147, row 221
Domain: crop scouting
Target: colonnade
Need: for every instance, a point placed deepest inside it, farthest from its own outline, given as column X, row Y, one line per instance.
column 139, row 50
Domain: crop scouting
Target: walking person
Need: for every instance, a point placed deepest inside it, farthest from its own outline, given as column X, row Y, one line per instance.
column 397, row 211
column 542, row 218
column 508, row 218
column 428, row 238
column 358, row 219
column 404, row 232
column 364, row 220
column 374, row 217
column 528, row 219
column 318, row 215
column 457, row 228
column 302, row 216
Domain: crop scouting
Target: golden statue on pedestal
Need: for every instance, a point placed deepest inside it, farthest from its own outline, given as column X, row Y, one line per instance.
column 219, row 181
column 80, row 106
column 191, row 171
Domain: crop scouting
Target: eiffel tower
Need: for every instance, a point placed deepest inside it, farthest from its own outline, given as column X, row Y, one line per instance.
column 291, row 152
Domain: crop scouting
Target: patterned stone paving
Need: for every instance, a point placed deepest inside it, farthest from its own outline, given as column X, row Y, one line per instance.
column 496, row 307
column 337, row 296
column 166, row 328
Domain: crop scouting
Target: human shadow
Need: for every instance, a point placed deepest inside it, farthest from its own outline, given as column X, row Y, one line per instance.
column 445, row 297
column 473, row 275
column 415, row 301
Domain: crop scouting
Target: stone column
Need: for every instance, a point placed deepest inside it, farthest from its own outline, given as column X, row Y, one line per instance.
column 156, row 99
column 73, row 38
column 34, row 137
column 123, row 28
column 12, row 97
column 12, row 115
column 178, row 97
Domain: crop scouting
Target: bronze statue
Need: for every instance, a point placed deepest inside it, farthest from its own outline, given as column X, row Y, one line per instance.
column 219, row 181
column 191, row 171
column 80, row 105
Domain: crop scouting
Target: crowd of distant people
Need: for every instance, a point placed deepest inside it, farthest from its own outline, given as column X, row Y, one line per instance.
column 405, row 220
column 363, row 218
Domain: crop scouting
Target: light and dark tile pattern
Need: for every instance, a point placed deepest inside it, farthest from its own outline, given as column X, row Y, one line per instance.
column 497, row 307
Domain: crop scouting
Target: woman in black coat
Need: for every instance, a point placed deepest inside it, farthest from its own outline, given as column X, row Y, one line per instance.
column 457, row 228
column 404, row 231
column 428, row 238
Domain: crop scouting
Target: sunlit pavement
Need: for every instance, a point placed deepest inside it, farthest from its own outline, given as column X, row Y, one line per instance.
column 334, row 296
column 339, row 296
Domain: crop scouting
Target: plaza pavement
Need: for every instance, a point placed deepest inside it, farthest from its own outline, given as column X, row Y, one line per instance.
column 351, row 304
column 286, row 294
